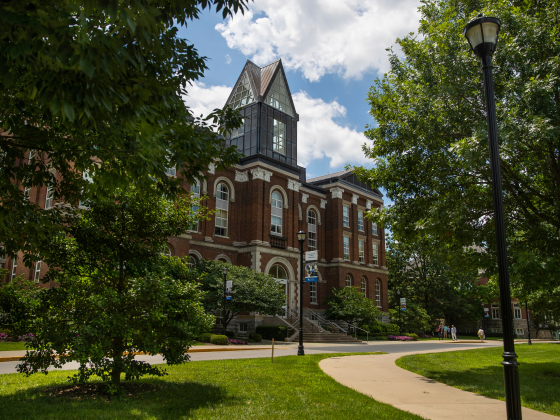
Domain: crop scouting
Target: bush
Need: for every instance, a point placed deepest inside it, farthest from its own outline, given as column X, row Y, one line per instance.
column 219, row 339
column 205, row 337
column 255, row 337
column 268, row 332
column 413, row 336
column 230, row 334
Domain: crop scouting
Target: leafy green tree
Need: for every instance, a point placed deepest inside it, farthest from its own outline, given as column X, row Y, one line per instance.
column 98, row 87
column 17, row 304
column 251, row 291
column 349, row 304
column 443, row 283
column 430, row 142
column 117, row 294
column 414, row 319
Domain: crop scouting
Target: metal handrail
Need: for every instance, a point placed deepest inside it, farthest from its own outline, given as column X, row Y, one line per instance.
column 319, row 317
column 356, row 335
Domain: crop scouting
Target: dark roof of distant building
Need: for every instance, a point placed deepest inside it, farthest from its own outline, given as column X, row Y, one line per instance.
column 344, row 177
column 329, row 176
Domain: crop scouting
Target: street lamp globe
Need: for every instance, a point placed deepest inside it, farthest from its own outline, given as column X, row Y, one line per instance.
column 301, row 236
column 225, row 271
column 482, row 34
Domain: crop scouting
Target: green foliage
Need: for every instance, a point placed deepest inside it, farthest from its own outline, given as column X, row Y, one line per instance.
column 413, row 336
column 219, row 339
column 256, row 337
column 350, row 305
column 18, row 303
column 251, row 291
column 430, row 144
column 117, row 294
column 415, row 318
column 268, row 332
column 205, row 337
column 99, row 87
column 230, row 334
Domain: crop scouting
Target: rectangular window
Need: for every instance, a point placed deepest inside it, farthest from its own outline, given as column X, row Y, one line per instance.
column 345, row 216
column 346, row 248
column 516, row 312
column 361, row 251
column 243, row 327
column 221, row 222
column 50, row 198
column 27, row 193
column 85, row 177
column 373, row 229
column 312, row 231
column 360, row 220
column 171, row 171
column 195, row 192
column 520, row 332
column 313, row 292
column 495, row 312
column 31, row 157
column 279, row 138
column 375, row 248
column 14, row 268
column 37, row 271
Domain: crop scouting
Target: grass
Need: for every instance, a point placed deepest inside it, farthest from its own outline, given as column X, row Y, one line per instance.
column 12, row 345
column 480, row 371
column 290, row 388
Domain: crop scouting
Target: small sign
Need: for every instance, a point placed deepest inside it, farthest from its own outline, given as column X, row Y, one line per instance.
column 486, row 313
column 311, row 275
column 311, row 256
column 403, row 304
column 228, row 289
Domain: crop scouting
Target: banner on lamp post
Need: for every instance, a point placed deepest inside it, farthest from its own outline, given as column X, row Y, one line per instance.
column 228, row 290
column 311, row 258
column 403, row 304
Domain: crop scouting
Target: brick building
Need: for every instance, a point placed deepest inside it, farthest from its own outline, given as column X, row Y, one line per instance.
column 264, row 200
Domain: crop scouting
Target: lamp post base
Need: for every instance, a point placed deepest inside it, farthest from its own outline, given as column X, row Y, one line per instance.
column 300, row 351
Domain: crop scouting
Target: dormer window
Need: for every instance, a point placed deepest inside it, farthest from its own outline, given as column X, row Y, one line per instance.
column 278, row 96
column 243, row 94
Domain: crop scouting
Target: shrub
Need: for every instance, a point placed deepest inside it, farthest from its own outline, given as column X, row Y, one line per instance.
column 268, row 332
column 230, row 334
column 205, row 337
column 219, row 339
column 413, row 336
column 256, row 337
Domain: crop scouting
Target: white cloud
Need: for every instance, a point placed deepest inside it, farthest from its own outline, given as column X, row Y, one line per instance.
column 322, row 36
column 228, row 59
column 320, row 136
column 203, row 100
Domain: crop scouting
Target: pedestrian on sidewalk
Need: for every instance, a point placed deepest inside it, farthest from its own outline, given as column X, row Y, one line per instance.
column 454, row 333
column 440, row 332
column 445, row 331
column 481, row 334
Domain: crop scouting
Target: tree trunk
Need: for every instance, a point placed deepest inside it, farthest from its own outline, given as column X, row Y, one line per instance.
column 117, row 361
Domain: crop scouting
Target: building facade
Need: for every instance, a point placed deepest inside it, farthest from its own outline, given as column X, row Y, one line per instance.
column 264, row 200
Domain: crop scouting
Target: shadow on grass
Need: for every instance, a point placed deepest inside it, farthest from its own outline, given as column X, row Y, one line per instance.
column 150, row 398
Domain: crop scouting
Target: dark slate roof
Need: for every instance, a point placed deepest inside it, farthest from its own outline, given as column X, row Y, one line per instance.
column 329, row 176
column 344, row 177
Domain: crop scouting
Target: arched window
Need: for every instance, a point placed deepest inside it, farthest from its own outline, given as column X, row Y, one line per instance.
column 348, row 280
column 222, row 207
column 364, row 291
column 279, row 273
column 378, row 293
column 195, row 192
column 166, row 251
column 312, row 230
column 276, row 214
column 192, row 260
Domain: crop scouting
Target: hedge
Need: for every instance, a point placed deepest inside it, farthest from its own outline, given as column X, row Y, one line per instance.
column 219, row 339
column 255, row 337
column 268, row 332
column 205, row 337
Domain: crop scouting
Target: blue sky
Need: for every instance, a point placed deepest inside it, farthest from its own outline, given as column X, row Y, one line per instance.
column 332, row 51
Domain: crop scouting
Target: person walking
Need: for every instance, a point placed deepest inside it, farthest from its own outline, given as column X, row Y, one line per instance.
column 481, row 334
column 445, row 331
column 454, row 333
column 440, row 332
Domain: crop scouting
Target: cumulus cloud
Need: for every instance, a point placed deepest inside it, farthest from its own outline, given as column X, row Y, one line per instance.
column 316, row 37
column 228, row 59
column 320, row 136
column 203, row 100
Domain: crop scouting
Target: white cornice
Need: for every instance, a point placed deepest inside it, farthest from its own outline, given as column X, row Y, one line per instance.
column 350, row 188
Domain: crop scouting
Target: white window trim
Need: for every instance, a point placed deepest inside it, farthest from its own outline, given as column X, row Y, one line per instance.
column 345, row 240
column 279, row 213
column 14, row 268
column 363, row 286
column 37, row 271
column 347, row 280
column 361, row 220
column 346, row 219
column 226, row 204
column 361, row 252
column 378, row 293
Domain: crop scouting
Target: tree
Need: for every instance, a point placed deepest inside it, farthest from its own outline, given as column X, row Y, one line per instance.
column 117, row 294
column 443, row 283
column 97, row 88
column 414, row 319
column 430, row 142
column 251, row 291
column 349, row 304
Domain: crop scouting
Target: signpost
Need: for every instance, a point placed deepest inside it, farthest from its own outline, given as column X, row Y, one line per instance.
column 311, row 258
column 228, row 290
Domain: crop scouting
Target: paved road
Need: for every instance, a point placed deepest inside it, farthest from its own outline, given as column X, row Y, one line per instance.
column 310, row 348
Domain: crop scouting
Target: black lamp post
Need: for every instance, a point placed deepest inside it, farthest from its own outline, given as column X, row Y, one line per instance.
column 528, row 328
column 399, row 308
column 482, row 34
column 301, row 240
column 225, row 297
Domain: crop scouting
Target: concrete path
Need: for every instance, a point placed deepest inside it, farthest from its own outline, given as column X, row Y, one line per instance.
column 378, row 376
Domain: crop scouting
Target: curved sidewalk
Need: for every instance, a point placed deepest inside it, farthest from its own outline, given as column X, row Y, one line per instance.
column 379, row 377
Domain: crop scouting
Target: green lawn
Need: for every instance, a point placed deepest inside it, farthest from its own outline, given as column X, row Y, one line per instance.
column 12, row 345
column 480, row 371
column 290, row 388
